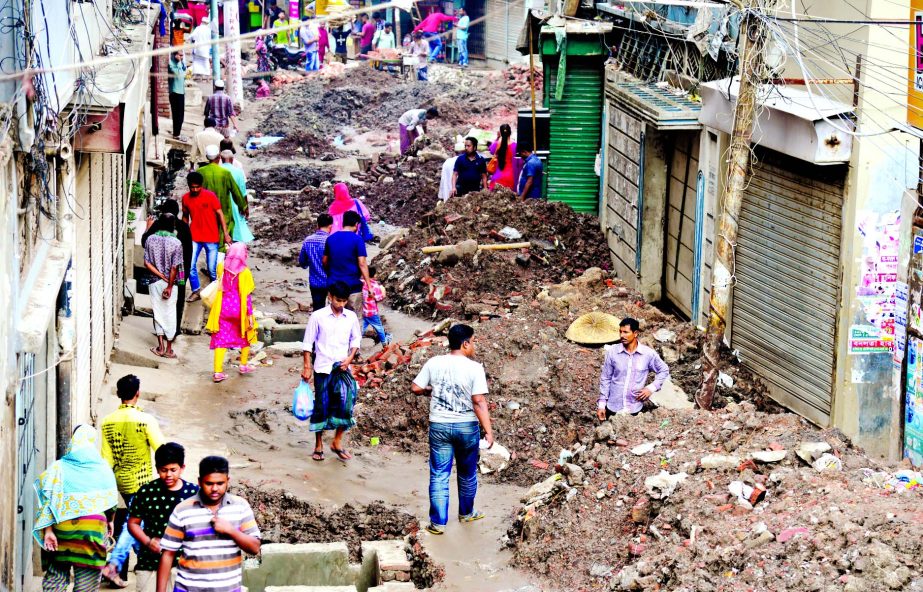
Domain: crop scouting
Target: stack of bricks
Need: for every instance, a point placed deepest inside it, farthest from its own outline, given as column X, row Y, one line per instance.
column 393, row 563
column 372, row 373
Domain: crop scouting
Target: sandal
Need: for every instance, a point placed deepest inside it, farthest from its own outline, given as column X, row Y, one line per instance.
column 157, row 352
column 245, row 369
column 318, row 455
column 341, row 453
column 112, row 576
column 476, row 515
column 219, row 377
column 193, row 297
column 433, row 529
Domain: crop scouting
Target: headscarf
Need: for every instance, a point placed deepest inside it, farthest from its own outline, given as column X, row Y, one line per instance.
column 235, row 261
column 79, row 484
column 342, row 201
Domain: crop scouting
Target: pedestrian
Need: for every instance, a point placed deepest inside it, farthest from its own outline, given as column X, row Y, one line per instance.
column 504, row 151
column 418, row 50
column 345, row 260
column 207, row 225
column 210, row 530
column 372, row 294
column 470, row 170
column 412, row 124
column 340, row 33
column 201, row 54
column 311, row 258
column 184, row 234
column 220, row 107
column 323, row 44
column 282, row 37
column 457, row 387
column 177, row 93
column 384, row 39
column 221, row 182
column 343, row 202
column 237, row 173
column 448, row 171
column 230, row 320
column 461, row 37
column 530, row 179
column 367, row 34
column 151, row 509
column 310, row 38
column 624, row 372
column 77, row 496
column 202, row 139
column 228, row 144
column 163, row 257
column 430, row 28
column 331, row 341
column 129, row 438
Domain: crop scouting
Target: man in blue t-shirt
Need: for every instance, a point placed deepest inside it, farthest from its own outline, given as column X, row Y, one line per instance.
column 530, row 180
column 346, row 261
column 470, row 170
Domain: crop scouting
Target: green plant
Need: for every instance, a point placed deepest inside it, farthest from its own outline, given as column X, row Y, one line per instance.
column 131, row 216
column 137, row 195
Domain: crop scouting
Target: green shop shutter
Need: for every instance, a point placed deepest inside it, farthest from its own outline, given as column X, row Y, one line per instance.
column 576, row 128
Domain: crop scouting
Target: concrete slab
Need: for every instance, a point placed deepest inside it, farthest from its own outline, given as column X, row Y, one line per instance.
column 672, row 397
column 394, row 587
column 193, row 318
column 132, row 348
column 285, row 565
column 391, row 555
column 282, row 333
column 310, row 589
column 285, row 348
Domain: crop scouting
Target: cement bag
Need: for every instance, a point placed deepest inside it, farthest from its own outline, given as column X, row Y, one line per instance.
column 303, row 401
column 493, row 459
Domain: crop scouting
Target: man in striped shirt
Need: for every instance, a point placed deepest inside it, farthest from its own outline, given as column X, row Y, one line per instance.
column 210, row 529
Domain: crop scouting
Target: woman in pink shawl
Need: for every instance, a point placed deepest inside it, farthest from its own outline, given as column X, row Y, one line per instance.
column 231, row 321
column 342, row 203
column 322, row 44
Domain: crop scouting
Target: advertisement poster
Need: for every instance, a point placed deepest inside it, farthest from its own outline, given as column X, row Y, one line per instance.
column 866, row 339
column 878, row 280
column 901, row 299
column 913, row 415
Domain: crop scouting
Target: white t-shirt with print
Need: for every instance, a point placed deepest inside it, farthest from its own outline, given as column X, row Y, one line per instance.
column 454, row 380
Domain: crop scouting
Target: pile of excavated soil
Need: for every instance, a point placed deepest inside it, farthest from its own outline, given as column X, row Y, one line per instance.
column 401, row 201
column 287, row 177
column 305, row 144
column 543, row 388
column 600, row 526
column 564, row 244
column 366, row 99
column 285, row 518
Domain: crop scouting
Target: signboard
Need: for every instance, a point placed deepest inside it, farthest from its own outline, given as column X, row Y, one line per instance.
column 915, row 82
column 913, row 411
column 867, row 339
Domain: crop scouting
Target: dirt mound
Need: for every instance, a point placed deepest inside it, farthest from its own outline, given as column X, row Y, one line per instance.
column 564, row 244
column 288, row 177
column 543, row 388
column 303, row 143
column 284, row 518
column 812, row 531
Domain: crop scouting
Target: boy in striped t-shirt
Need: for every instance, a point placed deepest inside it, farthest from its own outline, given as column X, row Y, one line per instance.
column 211, row 529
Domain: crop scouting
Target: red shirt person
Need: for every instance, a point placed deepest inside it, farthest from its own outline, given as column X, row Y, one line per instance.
column 202, row 211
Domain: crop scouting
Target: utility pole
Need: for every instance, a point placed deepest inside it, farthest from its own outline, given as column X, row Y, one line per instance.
column 216, row 60
column 751, row 76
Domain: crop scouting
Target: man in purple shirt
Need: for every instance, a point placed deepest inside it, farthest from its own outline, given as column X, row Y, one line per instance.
column 220, row 107
column 311, row 258
column 331, row 341
column 625, row 370
column 368, row 34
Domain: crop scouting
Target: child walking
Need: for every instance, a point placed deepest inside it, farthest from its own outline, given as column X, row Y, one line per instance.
column 372, row 294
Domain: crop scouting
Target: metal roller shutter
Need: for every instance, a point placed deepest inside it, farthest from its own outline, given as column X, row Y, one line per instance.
column 679, row 280
column 81, row 287
column 503, row 24
column 576, row 122
column 788, row 285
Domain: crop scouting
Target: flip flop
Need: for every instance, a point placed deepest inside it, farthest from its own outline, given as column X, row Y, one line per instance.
column 219, row 377
column 157, row 352
column 342, row 454
column 115, row 581
column 318, row 455
column 169, row 356
column 433, row 529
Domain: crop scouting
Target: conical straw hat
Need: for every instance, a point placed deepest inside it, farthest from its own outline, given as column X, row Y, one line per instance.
column 594, row 328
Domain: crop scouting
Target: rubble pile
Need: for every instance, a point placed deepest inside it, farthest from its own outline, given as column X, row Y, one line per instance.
column 543, row 388
column 517, row 79
column 302, row 143
column 287, row 178
column 729, row 500
column 463, row 281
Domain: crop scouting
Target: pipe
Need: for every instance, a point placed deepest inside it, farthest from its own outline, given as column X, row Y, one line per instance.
column 65, row 423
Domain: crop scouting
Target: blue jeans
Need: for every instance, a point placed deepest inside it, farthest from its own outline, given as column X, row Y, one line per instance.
column 445, row 441
column 435, row 45
column 126, row 542
column 462, row 52
column 211, row 258
column 311, row 63
column 375, row 322
column 423, row 73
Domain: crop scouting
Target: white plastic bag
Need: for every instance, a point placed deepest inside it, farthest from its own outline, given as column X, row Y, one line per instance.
column 493, row 459
column 303, row 401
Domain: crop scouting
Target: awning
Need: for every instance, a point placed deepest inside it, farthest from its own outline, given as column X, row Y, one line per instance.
column 806, row 126
column 658, row 106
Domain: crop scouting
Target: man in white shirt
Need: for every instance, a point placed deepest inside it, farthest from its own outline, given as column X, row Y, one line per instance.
column 458, row 409
column 412, row 124
column 331, row 341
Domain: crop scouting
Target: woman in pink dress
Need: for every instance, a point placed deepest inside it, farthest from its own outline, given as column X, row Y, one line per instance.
column 505, row 151
column 342, row 203
column 231, row 321
column 322, row 44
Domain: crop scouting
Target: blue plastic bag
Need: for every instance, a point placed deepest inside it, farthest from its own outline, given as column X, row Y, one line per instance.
column 303, row 401
column 241, row 232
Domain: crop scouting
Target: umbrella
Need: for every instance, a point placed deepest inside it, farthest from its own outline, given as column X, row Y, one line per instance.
column 595, row 328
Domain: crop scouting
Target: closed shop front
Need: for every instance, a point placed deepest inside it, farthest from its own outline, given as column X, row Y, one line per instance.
column 504, row 22
column 680, row 281
column 787, row 289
